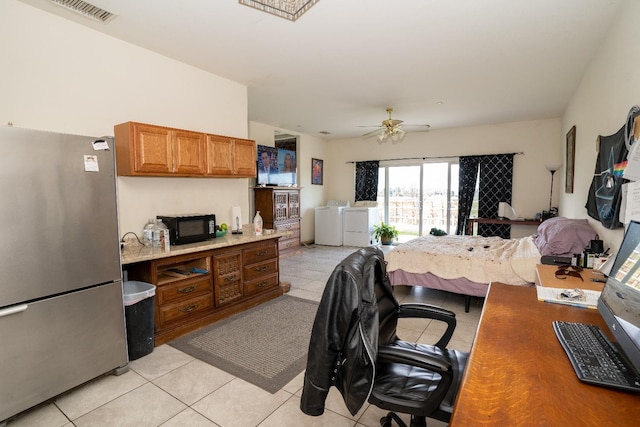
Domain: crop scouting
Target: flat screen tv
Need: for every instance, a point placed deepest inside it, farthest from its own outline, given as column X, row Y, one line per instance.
column 276, row 166
column 619, row 303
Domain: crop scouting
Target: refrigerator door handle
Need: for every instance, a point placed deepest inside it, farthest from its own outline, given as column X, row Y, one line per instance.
column 13, row 310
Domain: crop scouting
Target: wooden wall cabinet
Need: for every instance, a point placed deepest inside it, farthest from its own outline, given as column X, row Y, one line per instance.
column 280, row 210
column 230, row 156
column 230, row 280
column 150, row 150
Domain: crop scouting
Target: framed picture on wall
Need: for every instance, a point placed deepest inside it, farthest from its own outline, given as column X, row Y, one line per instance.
column 571, row 157
column 316, row 171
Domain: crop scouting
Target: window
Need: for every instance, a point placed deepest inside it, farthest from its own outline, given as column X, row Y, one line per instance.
column 418, row 197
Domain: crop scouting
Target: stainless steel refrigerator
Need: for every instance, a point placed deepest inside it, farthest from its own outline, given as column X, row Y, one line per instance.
column 61, row 311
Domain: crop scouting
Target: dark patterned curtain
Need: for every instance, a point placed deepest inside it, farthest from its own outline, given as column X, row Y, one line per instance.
column 496, row 185
column 367, row 180
column 468, row 176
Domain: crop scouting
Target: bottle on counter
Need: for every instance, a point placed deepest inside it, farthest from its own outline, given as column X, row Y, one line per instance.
column 257, row 224
column 147, row 233
column 161, row 235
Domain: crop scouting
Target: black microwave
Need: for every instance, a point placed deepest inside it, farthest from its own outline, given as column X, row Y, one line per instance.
column 190, row 228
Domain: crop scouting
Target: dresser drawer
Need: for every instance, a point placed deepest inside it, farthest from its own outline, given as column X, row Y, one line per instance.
column 289, row 243
column 260, row 253
column 261, row 284
column 288, row 225
column 183, row 290
column 188, row 308
column 262, row 269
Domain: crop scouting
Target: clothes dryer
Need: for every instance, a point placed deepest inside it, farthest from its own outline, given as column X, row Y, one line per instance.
column 358, row 225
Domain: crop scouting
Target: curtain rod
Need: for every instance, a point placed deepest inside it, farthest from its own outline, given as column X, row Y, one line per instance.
column 428, row 158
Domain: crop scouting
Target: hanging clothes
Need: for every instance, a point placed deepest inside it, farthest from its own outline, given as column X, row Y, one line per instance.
column 605, row 196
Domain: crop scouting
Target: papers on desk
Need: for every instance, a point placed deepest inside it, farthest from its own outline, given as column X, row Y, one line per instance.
column 553, row 295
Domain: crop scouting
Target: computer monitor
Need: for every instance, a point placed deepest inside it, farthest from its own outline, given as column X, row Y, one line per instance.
column 619, row 303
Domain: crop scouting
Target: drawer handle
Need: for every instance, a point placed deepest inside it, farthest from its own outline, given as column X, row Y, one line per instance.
column 262, row 253
column 262, row 268
column 263, row 284
column 189, row 308
column 188, row 289
column 230, row 278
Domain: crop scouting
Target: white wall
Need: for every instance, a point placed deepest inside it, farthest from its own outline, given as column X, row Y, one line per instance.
column 531, row 180
column 57, row 75
column 609, row 88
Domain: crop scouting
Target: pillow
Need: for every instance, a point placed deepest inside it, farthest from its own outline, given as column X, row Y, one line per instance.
column 563, row 236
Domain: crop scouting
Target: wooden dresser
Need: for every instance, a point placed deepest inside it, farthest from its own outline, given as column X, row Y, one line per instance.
column 280, row 210
column 196, row 289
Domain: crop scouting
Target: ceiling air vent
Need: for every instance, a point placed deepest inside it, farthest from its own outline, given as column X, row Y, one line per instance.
column 86, row 9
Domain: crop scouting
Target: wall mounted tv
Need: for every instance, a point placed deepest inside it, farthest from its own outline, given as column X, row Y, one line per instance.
column 276, row 166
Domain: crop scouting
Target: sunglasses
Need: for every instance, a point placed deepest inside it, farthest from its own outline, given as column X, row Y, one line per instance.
column 568, row 270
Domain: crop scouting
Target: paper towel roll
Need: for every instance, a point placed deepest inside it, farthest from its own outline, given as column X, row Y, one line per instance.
column 236, row 218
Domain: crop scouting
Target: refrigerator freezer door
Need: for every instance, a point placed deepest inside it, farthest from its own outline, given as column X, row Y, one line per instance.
column 58, row 218
column 55, row 344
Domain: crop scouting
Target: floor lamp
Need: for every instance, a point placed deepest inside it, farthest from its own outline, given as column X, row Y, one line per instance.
column 552, row 169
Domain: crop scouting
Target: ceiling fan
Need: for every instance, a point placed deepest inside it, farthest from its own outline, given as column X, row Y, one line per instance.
column 390, row 129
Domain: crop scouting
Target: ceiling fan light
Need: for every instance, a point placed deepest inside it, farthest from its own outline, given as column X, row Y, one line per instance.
column 397, row 135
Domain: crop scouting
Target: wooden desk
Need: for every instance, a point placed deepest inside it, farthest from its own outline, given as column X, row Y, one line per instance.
column 519, row 375
column 502, row 221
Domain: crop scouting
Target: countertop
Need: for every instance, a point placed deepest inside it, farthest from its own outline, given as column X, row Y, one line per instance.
column 135, row 252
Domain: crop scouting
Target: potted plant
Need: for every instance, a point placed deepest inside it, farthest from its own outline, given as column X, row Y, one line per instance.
column 385, row 233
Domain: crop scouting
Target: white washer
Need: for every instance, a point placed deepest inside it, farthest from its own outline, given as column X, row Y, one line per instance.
column 329, row 223
column 358, row 225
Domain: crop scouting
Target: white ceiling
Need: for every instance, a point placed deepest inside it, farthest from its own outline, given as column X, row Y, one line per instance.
column 446, row 63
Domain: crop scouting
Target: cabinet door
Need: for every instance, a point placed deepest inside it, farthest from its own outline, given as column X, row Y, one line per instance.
column 227, row 277
column 188, row 153
column 281, row 205
column 219, row 155
column 244, row 158
column 152, row 149
column 294, row 204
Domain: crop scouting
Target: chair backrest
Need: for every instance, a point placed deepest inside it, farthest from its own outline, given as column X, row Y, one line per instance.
column 387, row 305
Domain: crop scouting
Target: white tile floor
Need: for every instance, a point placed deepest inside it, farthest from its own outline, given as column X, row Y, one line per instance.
column 170, row 388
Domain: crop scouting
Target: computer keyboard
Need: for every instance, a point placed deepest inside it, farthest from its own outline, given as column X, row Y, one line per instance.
column 594, row 357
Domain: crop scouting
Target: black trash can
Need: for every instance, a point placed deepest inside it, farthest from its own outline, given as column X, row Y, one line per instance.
column 139, row 301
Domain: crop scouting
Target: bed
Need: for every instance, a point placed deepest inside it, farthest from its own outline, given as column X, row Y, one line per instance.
column 467, row 264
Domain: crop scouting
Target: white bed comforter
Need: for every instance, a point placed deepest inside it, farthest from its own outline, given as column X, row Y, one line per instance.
column 480, row 259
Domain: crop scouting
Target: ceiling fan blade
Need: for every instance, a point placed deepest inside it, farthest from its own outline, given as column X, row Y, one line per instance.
column 372, row 132
column 423, row 127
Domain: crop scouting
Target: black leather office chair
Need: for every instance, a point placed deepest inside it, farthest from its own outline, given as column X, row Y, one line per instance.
column 356, row 321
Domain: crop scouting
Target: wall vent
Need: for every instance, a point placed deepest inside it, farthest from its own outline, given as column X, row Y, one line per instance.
column 86, row 9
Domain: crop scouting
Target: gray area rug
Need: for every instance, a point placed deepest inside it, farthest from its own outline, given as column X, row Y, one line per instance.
column 266, row 345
